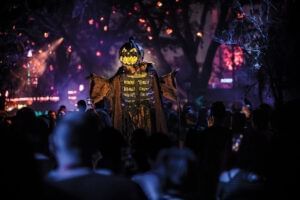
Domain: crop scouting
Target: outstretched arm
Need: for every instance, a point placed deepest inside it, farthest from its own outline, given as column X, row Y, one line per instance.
column 99, row 88
column 168, row 86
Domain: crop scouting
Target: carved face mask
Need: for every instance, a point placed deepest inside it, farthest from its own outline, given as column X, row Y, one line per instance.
column 130, row 53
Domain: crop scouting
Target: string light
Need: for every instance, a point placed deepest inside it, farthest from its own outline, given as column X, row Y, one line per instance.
column 105, row 28
column 150, row 37
column 46, row 34
column 240, row 15
column 29, row 54
column 159, row 4
column 69, row 49
column 98, row 53
column 179, row 10
column 148, row 29
column 91, row 21
column 81, row 87
column 199, row 34
column 51, row 67
column 169, row 31
column 136, row 8
column 142, row 20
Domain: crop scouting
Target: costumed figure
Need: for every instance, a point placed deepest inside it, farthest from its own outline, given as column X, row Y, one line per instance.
column 135, row 92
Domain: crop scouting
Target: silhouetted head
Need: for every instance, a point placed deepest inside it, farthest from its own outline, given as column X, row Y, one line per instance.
column 178, row 166
column 81, row 105
column 75, row 139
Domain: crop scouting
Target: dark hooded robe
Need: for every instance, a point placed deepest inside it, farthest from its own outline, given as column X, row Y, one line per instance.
column 136, row 98
column 135, row 92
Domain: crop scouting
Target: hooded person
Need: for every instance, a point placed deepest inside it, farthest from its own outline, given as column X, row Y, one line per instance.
column 134, row 92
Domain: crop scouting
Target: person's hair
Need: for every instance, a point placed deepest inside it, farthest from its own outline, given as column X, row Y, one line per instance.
column 78, row 132
column 62, row 107
column 179, row 169
column 81, row 104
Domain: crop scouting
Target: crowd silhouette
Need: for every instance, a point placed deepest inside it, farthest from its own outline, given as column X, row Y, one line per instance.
column 223, row 152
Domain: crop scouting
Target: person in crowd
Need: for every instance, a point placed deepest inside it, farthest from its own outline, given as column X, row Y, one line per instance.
column 111, row 144
column 75, row 142
column 81, row 105
column 216, row 143
column 173, row 176
column 62, row 111
column 246, row 178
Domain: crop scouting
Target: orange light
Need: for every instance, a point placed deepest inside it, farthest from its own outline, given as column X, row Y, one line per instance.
column 199, row 34
column 169, row 31
column 141, row 20
column 148, row 29
column 159, row 4
column 240, row 15
column 98, row 53
column 69, row 49
column 105, row 28
column 51, row 68
column 91, row 21
column 46, row 35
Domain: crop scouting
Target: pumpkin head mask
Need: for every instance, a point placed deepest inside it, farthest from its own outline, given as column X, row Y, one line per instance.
column 131, row 53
